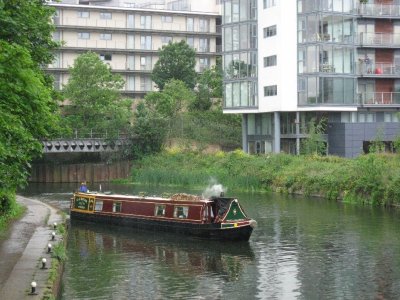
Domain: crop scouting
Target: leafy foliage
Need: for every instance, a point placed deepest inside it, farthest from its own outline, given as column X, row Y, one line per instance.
column 174, row 99
column 207, row 128
column 377, row 145
column 315, row 143
column 369, row 179
column 209, row 85
column 176, row 61
column 26, row 114
column 27, row 111
column 28, row 23
column 95, row 96
column 149, row 132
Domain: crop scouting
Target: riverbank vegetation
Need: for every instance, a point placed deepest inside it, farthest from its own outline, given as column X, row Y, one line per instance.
column 9, row 210
column 28, row 105
column 368, row 179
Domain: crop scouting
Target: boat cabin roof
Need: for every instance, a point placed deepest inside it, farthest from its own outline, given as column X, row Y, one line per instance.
column 174, row 198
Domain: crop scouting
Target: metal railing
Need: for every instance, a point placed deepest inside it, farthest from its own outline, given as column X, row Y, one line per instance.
column 94, row 134
column 379, row 98
column 379, row 39
column 382, row 10
column 378, row 69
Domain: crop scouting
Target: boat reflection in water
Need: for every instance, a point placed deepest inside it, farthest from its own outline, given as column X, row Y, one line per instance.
column 181, row 254
column 116, row 262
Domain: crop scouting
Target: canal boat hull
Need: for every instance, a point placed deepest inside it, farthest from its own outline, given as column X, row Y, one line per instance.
column 208, row 231
column 216, row 218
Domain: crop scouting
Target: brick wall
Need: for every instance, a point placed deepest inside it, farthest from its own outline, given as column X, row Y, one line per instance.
column 384, row 56
column 383, row 26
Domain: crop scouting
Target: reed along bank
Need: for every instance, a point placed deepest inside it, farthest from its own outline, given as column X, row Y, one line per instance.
column 368, row 179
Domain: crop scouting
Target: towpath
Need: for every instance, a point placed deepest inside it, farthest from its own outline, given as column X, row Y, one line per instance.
column 23, row 248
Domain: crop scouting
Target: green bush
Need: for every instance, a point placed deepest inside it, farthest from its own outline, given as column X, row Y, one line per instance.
column 370, row 179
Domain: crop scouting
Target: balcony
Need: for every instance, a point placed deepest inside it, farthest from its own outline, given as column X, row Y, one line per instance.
column 383, row 40
column 378, row 70
column 379, row 10
column 380, row 98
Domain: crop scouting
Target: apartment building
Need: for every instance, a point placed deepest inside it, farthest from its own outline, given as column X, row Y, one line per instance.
column 128, row 35
column 288, row 62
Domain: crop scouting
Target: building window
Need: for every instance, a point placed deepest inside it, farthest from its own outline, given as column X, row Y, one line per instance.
column 117, row 207
column 166, row 19
column 159, row 211
column 83, row 14
column 270, row 61
column 181, row 212
column 145, row 63
column 189, row 24
column 270, row 31
column 98, row 206
column 203, row 63
column 145, row 83
column 83, row 35
column 203, row 45
column 145, row 22
column 105, row 36
column 145, row 42
column 105, row 15
column 106, row 57
column 190, row 41
column 166, row 39
column 269, row 3
column 204, row 25
column 271, row 90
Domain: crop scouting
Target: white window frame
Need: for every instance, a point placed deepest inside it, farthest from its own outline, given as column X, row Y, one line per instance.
column 106, row 36
column 84, row 35
column 167, row 19
column 98, row 205
column 83, row 14
column 105, row 15
column 270, row 90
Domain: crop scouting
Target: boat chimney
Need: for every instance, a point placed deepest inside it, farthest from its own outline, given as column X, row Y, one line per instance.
column 222, row 194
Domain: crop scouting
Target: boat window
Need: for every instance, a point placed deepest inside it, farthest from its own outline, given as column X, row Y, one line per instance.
column 181, row 212
column 98, row 206
column 159, row 211
column 117, row 206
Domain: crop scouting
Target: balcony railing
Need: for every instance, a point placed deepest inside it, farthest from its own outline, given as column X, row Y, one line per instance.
column 379, row 39
column 378, row 69
column 380, row 10
column 379, row 98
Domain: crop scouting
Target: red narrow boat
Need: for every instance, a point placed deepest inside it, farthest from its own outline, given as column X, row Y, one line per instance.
column 213, row 218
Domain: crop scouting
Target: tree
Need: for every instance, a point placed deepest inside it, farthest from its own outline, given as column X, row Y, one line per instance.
column 168, row 103
column 96, row 101
column 176, row 61
column 209, row 85
column 149, row 131
column 28, row 24
column 26, row 114
column 27, row 111
column 314, row 143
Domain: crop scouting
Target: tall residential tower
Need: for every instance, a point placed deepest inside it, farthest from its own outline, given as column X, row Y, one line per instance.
column 288, row 62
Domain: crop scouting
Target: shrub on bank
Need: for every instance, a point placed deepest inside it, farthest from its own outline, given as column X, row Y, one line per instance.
column 9, row 208
column 370, row 179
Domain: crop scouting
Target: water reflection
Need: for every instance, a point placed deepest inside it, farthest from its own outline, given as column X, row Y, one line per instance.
column 178, row 266
column 301, row 249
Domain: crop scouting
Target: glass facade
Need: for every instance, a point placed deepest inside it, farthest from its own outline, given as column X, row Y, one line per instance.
column 240, row 53
column 326, row 52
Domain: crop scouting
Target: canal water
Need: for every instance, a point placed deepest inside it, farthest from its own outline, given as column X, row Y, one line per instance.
column 301, row 249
